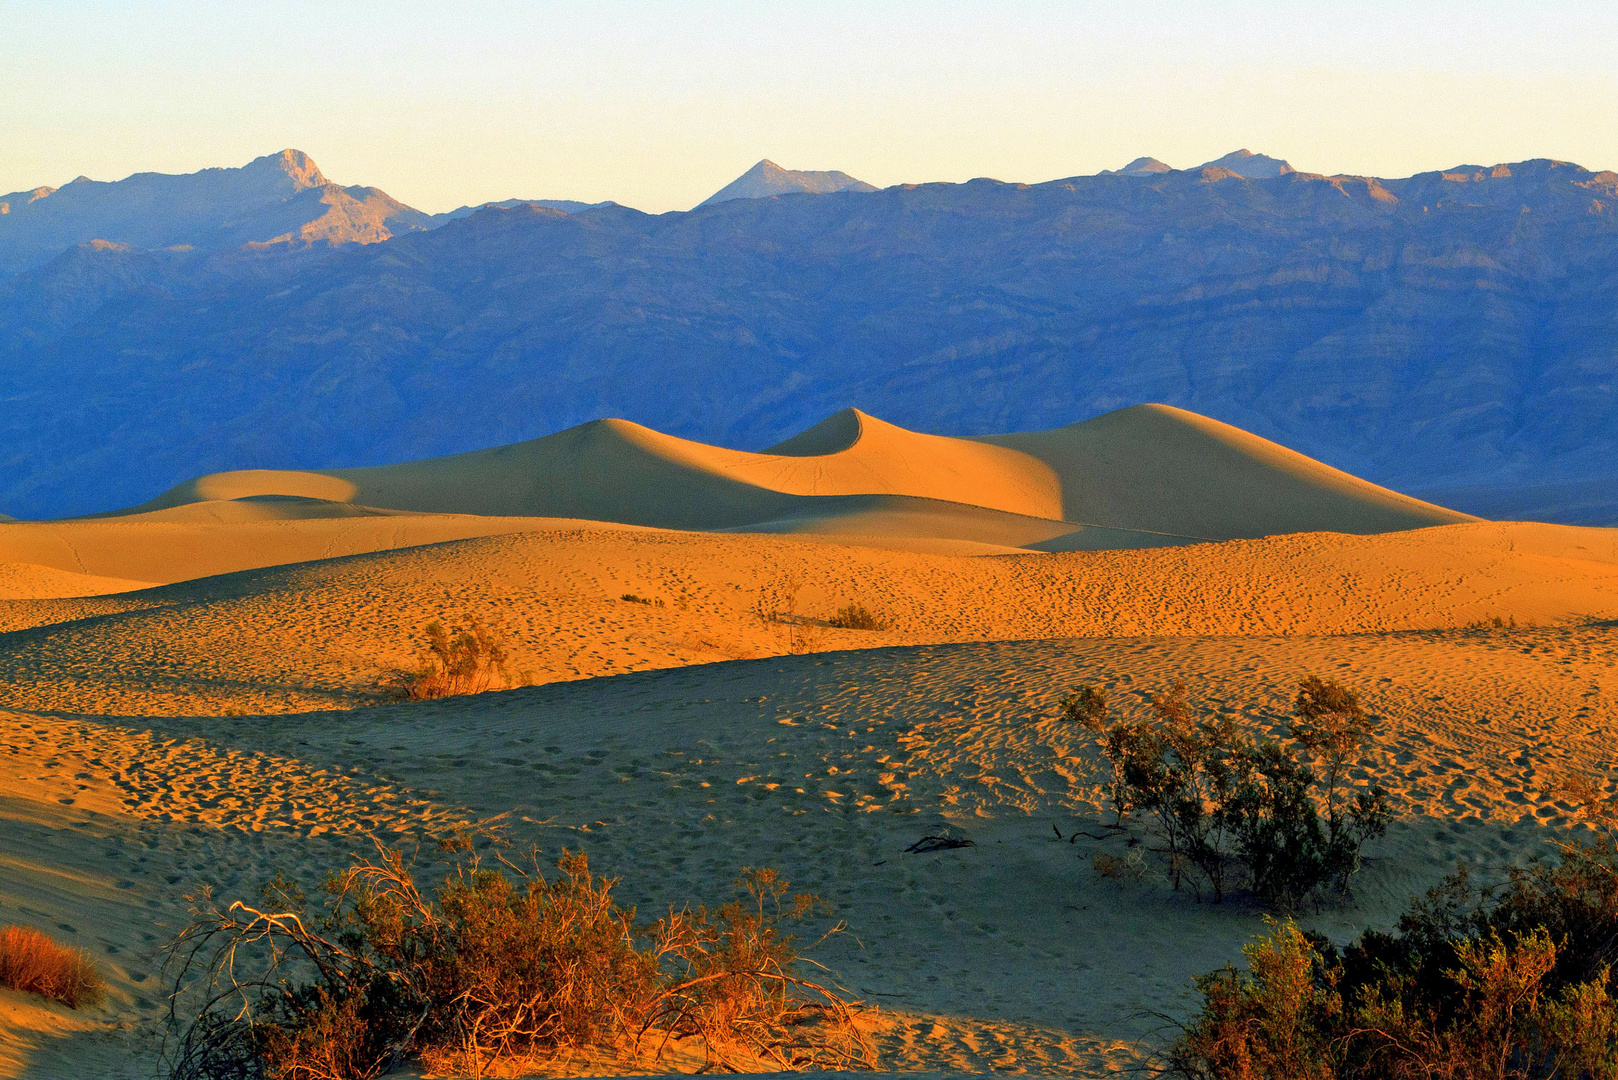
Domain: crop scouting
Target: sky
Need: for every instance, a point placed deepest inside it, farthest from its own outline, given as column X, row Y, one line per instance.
column 657, row 105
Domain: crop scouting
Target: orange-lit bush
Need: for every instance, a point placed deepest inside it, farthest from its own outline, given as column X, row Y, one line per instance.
column 34, row 963
column 500, row 965
column 465, row 659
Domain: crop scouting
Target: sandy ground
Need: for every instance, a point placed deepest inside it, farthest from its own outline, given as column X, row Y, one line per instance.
column 680, row 741
column 319, row 635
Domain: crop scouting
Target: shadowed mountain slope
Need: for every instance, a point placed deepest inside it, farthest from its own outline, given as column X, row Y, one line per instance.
column 1445, row 329
column 569, row 206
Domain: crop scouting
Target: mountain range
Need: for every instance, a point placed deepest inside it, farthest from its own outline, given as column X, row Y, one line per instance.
column 1453, row 330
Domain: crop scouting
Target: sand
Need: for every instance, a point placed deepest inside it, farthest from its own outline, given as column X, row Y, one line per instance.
column 319, row 635
column 1013, row 953
column 1153, row 469
column 189, row 696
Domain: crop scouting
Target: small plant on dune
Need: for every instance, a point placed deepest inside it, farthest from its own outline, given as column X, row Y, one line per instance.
column 34, row 963
column 1087, row 707
column 1493, row 622
column 463, row 659
column 855, row 617
column 1225, row 804
column 502, row 965
column 776, row 605
column 1292, row 846
column 777, row 600
column 1131, row 867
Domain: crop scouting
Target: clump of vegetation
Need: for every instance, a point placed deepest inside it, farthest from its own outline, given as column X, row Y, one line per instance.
column 1131, row 867
column 34, row 963
column 1493, row 622
column 855, row 617
column 501, row 965
column 1508, row 983
column 1228, row 806
column 631, row 598
column 462, row 659
column 776, row 606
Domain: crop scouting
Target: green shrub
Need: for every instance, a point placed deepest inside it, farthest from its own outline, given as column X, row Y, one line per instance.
column 1276, row 1020
column 855, row 617
column 1510, row 982
column 1226, row 805
column 500, row 965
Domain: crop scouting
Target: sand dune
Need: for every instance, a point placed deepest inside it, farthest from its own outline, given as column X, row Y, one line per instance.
column 1168, row 470
column 189, row 694
column 1149, row 468
column 202, row 539
column 318, row 635
column 28, row 581
column 1143, row 477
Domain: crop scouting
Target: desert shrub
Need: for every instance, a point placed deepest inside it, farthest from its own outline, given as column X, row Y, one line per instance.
column 465, row 659
column 1224, row 804
column 35, row 964
column 1493, row 622
column 855, row 617
column 1290, row 847
column 1131, row 867
column 1087, row 707
column 1513, row 982
column 776, row 608
column 777, row 599
column 501, row 964
column 1276, row 1020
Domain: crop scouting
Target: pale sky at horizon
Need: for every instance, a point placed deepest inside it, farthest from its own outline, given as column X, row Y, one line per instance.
column 657, row 105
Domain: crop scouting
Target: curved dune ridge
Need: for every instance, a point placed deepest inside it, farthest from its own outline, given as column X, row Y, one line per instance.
column 317, row 635
column 1152, row 470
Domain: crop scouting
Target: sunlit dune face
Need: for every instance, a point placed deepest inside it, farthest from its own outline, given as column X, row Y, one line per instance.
column 318, row 635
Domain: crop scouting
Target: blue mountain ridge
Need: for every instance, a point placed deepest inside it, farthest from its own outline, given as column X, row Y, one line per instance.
column 1450, row 330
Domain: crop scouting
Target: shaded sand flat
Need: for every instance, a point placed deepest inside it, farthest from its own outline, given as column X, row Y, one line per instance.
column 1152, row 469
column 319, row 635
column 1011, row 954
column 105, row 829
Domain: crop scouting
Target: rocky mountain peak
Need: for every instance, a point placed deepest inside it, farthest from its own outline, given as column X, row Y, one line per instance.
column 767, row 178
column 298, row 166
column 1143, row 166
column 1253, row 166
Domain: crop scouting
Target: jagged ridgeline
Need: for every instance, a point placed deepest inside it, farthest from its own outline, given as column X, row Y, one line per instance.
column 1449, row 330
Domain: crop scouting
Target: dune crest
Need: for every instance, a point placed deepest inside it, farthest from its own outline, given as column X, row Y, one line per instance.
column 1147, row 472
column 1164, row 469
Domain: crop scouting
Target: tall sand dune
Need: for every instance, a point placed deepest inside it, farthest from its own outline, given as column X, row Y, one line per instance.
column 1148, row 469
column 1168, row 470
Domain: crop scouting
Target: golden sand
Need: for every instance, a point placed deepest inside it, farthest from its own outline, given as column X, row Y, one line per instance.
column 218, row 729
